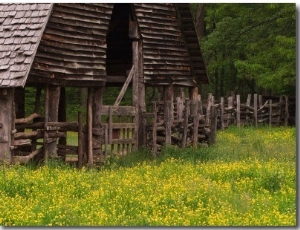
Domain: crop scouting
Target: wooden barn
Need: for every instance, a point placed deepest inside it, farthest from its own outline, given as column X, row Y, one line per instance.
column 90, row 46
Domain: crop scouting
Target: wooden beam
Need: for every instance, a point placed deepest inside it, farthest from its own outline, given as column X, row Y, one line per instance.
column 97, row 108
column 27, row 119
column 125, row 86
column 26, row 159
column 135, row 92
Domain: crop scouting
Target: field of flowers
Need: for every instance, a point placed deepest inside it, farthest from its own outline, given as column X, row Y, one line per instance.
column 247, row 179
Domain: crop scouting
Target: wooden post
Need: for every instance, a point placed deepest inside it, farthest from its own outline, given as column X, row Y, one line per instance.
column 46, row 115
column 260, row 101
column 213, row 125
column 238, row 111
column 168, row 121
column 193, row 91
column 286, row 112
column 154, row 132
column 90, row 127
column 280, row 110
column 110, row 129
column 270, row 112
column 208, row 109
column 248, row 103
column 135, row 93
column 222, row 113
column 80, row 139
column 96, row 123
column 6, row 103
column 37, row 105
column 185, row 123
column 168, row 112
column 179, row 108
column 255, row 109
column 200, row 106
column 53, row 103
column 230, row 102
column 83, row 136
column 13, row 118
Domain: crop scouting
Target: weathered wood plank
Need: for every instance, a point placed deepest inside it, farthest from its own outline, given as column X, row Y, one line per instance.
column 125, row 86
column 120, row 110
column 26, row 159
column 90, row 127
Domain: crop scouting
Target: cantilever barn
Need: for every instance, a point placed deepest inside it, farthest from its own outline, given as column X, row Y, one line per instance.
column 49, row 47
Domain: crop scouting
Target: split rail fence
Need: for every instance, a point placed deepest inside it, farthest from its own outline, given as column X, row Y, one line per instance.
column 195, row 122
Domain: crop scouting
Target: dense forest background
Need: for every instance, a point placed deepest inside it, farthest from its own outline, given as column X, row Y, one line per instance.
column 248, row 47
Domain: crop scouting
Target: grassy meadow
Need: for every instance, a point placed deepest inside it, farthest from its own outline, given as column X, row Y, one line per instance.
column 247, row 179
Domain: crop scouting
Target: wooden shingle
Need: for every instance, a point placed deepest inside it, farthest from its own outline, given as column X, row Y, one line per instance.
column 19, row 41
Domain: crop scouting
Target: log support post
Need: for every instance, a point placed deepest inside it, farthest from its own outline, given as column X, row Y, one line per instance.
column 97, row 105
column 90, row 127
column 6, row 123
column 138, row 94
column 52, row 97
column 168, row 112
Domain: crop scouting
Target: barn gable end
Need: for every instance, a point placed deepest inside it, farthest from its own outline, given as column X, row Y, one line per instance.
column 73, row 47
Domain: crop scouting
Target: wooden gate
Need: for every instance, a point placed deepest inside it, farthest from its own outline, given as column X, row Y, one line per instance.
column 120, row 130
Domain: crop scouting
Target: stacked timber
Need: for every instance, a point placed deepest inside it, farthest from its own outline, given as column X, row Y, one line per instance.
column 258, row 110
column 181, row 124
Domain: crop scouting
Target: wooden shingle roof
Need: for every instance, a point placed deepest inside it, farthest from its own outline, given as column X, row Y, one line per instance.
column 21, row 27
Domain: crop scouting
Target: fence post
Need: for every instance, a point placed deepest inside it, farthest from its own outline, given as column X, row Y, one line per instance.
column 248, row 103
column 286, row 111
column 238, row 111
column 259, row 101
column 185, row 122
column 168, row 121
column 255, row 109
column 270, row 112
column 222, row 112
column 213, row 125
column 209, row 104
column 195, row 116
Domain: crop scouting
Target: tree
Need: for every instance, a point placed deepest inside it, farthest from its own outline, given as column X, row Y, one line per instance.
column 250, row 47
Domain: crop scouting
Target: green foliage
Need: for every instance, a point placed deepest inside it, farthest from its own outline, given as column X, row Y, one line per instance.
column 251, row 47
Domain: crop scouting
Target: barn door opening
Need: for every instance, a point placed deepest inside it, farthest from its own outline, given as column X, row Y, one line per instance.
column 117, row 113
column 119, row 45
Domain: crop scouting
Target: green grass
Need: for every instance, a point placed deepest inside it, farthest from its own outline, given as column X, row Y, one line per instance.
column 247, row 179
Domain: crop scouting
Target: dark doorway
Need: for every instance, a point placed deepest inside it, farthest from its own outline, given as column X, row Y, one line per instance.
column 119, row 45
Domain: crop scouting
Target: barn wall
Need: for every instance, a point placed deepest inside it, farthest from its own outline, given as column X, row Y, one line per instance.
column 73, row 47
column 166, row 60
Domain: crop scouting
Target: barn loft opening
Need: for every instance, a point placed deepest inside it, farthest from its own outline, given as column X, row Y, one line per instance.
column 119, row 45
